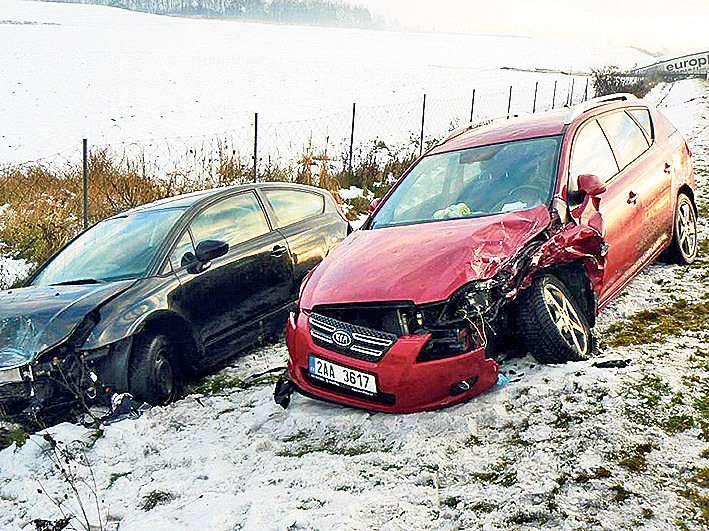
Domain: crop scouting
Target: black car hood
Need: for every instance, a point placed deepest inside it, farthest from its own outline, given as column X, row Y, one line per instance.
column 36, row 318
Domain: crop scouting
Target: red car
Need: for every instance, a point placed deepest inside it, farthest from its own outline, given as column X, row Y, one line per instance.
column 513, row 232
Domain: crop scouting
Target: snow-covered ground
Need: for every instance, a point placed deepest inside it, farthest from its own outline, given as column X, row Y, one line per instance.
column 70, row 71
column 557, row 448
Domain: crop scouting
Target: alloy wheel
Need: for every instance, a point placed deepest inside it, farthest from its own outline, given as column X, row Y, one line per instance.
column 687, row 229
column 566, row 319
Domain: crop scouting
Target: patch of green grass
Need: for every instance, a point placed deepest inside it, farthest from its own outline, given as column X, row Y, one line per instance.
column 115, row 477
column 621, row 493
column 217, row 384
column 155, row 498
column 334, row 444
column 701, row 478
column 483, row 507
column 700, row 501
column 635, row 460
column 678, row 423
column 452, row 501
column 651, row 326
column 600, row 473
column 522, row 518
column 16, row 436
column 504, row 476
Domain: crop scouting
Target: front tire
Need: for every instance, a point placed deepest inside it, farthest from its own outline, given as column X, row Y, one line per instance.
column 683, row 249
column 551, row 323
column 154, row 373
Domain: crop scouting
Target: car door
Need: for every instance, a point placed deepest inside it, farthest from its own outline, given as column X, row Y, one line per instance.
column 591, row 153
column 310, row 230
column 647, row 184
column 225, row 300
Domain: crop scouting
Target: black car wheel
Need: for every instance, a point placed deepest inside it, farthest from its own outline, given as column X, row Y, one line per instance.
column 154, row 374
column 552, row 325
column 683, row 249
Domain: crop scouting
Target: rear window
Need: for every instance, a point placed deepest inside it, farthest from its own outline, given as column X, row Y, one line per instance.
column 626, row 136
column 669, row 128
column 642, row 116
column 591, row 154
column 292, row 206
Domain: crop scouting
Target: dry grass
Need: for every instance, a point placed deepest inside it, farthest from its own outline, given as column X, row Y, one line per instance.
column 45, row 202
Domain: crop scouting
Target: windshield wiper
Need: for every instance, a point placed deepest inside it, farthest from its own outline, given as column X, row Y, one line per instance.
column 79, row 282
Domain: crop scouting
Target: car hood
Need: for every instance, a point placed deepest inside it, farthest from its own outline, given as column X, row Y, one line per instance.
column 421, row 263
column 36, row 318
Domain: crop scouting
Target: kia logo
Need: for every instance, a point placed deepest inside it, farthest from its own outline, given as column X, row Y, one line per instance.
column 341, row 338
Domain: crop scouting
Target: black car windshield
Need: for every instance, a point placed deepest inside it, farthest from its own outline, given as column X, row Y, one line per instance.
column 475, row 182
column 117, row 248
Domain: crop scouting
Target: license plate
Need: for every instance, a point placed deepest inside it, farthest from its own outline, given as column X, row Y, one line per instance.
column 342, row 376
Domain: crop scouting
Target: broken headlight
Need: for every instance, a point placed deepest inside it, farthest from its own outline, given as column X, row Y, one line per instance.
column 474, row 299
column 17, row 336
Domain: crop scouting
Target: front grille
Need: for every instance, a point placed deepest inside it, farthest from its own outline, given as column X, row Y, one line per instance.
column 380, row 398
column 365, row 344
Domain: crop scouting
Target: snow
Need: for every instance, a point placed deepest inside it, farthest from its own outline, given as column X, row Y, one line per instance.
column 115, row 76
column 512, row 458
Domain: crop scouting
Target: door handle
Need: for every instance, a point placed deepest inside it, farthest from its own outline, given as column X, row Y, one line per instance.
column 278, row 250
column 632, row 198
column 667, row 167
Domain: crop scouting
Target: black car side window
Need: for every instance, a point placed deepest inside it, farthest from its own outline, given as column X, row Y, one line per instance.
column 592, row 154
column 184, row 253
column 234, row 220
column 292, row 206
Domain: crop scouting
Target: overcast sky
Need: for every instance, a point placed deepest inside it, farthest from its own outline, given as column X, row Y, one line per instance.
column 659, row 26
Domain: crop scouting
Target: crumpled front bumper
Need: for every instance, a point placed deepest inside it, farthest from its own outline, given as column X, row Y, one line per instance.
column 404, row 385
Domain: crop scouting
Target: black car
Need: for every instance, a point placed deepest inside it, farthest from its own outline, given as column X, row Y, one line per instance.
column 145, row 298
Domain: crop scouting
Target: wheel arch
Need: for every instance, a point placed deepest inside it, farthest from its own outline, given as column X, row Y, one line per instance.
column 178, row 329
column 573, row 275
column 687, row 190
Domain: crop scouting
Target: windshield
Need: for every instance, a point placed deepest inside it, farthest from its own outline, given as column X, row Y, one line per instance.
column 118, row 248
column 474, row 182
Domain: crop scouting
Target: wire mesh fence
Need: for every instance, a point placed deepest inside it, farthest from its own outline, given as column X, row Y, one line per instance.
column 364, row 146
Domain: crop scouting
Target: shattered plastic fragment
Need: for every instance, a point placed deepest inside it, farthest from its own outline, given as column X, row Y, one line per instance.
column 502, row 380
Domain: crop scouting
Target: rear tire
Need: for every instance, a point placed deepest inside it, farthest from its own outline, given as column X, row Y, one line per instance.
column 154, row 373
column 552, row 325
column 683, row 248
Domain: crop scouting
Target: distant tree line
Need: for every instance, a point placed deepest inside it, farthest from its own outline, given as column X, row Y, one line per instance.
column 322, row 12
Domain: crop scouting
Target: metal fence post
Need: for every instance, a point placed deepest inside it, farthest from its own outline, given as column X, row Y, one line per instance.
column 85, row 146
column 255, row 147
column 534, row 105
column 585, row 92
column 553, row 97
column 423, row 123
column 571, row 94
column 509, row 103
column 472, row 107
column 354, row 113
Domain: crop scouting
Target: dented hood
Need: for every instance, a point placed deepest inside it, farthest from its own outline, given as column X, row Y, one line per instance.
column 421, row 263
column 36, row 318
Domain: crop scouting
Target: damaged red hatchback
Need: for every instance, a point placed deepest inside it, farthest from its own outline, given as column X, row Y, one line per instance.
column 513, row 232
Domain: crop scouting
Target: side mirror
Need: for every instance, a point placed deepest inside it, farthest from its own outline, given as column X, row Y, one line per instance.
column 592, row 185
column 208, row 250
column 375, row 204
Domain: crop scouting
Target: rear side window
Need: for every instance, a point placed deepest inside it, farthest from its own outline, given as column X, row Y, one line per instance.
column 625, row 135
column 592, row 154
column 642, row 116
column 292, row 206
column 233, row 220
column 669, row 128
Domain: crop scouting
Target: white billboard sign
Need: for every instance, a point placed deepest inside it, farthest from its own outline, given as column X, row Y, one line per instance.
column 695, row 63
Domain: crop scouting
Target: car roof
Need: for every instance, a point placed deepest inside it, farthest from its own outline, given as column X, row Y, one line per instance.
column 527, row 125
column 194, row 199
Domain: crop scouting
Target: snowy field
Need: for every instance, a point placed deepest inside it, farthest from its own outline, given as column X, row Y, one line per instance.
column 70, row 71
column 557, row 448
